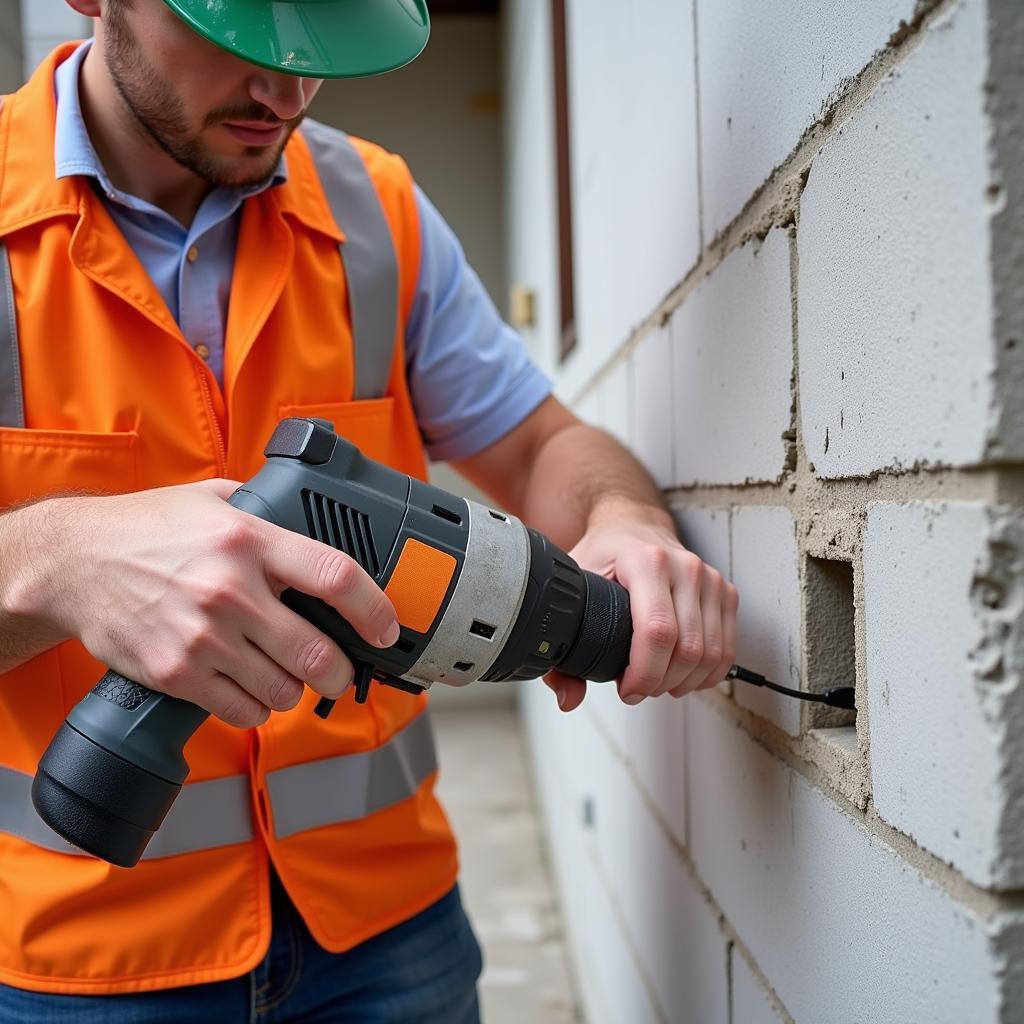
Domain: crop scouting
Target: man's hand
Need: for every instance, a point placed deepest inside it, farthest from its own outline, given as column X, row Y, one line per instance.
column 581, row 487
column 177, row 589
column 684, row 612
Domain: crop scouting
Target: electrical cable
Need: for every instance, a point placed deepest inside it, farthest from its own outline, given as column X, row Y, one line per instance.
column 837, row 697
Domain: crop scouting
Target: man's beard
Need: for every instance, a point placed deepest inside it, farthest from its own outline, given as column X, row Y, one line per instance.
column 161, row 114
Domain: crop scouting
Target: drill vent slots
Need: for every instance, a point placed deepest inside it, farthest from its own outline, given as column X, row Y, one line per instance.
column 342, row 527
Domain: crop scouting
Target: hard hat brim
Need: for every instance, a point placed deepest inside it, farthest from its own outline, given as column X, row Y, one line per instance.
column 314, row 38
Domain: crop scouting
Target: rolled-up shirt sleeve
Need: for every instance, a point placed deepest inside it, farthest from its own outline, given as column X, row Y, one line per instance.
column 470, row 376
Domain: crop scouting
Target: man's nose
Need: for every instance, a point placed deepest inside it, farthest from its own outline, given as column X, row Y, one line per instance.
column 283, row 94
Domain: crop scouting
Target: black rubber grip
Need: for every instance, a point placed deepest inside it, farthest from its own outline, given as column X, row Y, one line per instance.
column 601, row 651
column 97, row 800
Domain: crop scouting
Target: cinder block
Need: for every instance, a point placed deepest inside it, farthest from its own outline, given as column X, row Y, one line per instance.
column 674, row 931
column 635, row 209
column 766, row 72
column 732, row 354
column 705, row 532
column 895, row 332
column 945, row 648
column 846, row 930
column 766, row 572
column 613, row 398
column 751, row 1004
column 650, row 736
column 588, row 408
column 652, row 403
column 607, row 404
column 572, row 762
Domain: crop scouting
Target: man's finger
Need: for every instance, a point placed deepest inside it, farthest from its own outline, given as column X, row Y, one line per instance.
column 273, row 686
column 223, row 697
column 721, row 604
column 300, row 648
column 730, row 604
column 338, row 580
column 655, row 631
column 568, row 690
column 711, row 615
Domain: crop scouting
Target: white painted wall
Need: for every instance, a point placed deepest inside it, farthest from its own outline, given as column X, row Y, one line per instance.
column 45, row 24
column 11, row 71
column 844, row 261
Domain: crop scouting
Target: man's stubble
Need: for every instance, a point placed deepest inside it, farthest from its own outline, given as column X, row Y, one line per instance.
column 154, row 107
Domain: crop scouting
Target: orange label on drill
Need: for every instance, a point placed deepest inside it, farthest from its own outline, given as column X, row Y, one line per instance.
column 419, row 583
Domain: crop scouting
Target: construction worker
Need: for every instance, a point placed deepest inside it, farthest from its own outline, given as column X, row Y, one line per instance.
column 182, row 265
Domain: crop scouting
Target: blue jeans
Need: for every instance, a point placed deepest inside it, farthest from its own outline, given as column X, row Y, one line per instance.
column 423, row 970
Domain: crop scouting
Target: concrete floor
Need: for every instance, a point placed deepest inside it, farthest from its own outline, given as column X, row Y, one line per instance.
column 505, row 882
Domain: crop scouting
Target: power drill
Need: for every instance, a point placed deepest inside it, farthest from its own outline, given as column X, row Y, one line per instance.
column 478, row 595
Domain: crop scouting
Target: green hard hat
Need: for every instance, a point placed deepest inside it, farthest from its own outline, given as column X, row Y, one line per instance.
column 313, row 38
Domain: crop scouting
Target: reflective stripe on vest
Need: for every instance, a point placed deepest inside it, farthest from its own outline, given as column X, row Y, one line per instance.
column 12, row 410
column 349, row 787
column 217, row 810
column 217, row 813
column 367, row 255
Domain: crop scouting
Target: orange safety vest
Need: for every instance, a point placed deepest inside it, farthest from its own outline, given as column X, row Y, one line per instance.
column 113, row 398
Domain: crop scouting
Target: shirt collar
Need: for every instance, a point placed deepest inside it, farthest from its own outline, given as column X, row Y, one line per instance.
column 74, row 152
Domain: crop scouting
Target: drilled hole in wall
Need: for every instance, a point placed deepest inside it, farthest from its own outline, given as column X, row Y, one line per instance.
column 831, row 648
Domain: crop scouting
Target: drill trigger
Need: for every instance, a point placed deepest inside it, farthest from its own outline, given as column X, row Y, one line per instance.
column 364, row 674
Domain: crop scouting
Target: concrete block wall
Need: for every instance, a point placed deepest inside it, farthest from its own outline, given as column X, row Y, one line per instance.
column 799, row 256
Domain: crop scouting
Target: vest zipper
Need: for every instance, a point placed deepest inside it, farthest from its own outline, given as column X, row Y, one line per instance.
column 222, row 457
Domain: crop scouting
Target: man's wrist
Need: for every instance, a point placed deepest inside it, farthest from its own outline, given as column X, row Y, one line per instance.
column 619, row 509
column 39, row 567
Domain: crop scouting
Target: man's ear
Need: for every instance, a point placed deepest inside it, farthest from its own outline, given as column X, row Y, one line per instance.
column 90, row 8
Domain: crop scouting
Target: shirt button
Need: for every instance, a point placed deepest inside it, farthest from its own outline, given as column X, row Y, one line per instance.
column 203, row 351
column 192, row 255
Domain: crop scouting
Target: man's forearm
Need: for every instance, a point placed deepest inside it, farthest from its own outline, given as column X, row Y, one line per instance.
column 27, row 561
column 582, row 476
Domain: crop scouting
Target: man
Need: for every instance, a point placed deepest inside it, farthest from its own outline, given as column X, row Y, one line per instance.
column 171, row 261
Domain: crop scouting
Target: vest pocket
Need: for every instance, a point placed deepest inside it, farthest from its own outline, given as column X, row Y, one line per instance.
column 368, row 423
column 39, row 463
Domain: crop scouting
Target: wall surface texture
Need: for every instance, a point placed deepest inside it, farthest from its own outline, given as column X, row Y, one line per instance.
column 799, row 259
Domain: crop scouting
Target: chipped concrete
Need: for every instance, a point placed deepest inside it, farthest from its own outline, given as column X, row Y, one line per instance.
column 944, row 593
column 1005, row 107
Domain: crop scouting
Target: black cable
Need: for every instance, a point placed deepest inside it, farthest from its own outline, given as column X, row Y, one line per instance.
column 837, row 697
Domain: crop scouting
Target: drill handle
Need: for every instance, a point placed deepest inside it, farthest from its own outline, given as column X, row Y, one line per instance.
column 141, row 725
column 112, row 771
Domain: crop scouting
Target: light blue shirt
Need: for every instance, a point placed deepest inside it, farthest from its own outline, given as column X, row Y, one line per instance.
column 470, row 378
